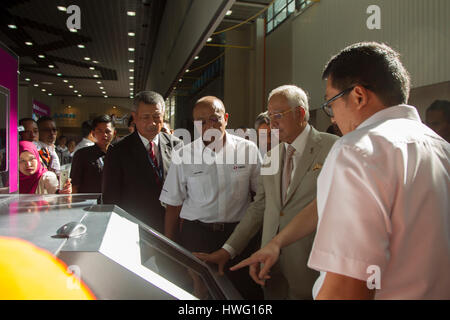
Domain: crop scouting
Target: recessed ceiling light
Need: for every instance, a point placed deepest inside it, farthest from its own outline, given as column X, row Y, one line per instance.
column 99, row 82
column 27, row 79
column 65, row 80
column 131, row 70
column 131, row 78
column 81, row 46
column 87, row 58
column 131, row 61
column 104, row 92
column 209, row 40
column 95, row 61
column 95, row 75
column 114, row 107
column 229, row 12
column 131, row 34
column 79, row 95
column 180, row 80
column 71, row 87
column 131, row 84
column 91, row 68
column 41, row 56
column 131, row 13
column 59, row 74
column 61, row 8
column 187, row 70
column 36, row 85
column 51, row 66
column 196, row 57
column 50, row 94
column 28, row 43
column 106, row 96
column 43, row 90
column 131, row 49
column 12, row 26
column 75, row 91
column 73, row 30
column 101, row 88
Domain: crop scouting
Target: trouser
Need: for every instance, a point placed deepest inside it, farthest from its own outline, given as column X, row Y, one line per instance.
column 197, row 236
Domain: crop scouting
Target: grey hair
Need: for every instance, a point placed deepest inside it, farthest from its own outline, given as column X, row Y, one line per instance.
column 149, row 97
column 263, row 117
column 295, row 96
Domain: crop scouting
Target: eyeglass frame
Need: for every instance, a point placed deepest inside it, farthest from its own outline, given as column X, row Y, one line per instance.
column 278, row 115
column 325, row 106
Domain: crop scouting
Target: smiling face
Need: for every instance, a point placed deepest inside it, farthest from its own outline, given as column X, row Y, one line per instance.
column 27, row 163
column 148, row 119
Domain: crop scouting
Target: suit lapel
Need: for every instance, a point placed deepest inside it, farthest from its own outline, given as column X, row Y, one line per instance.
column 312, row 148
column 279, row 174
column 165, row 151
column 139, row 153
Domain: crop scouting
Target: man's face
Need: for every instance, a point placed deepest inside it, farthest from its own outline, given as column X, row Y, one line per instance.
column 210, row 118
column 435, row 119
column 148, row 119
column 31, row 132
column 284, row 118
column 47, row 132
column 103, row 133
column 342, row 110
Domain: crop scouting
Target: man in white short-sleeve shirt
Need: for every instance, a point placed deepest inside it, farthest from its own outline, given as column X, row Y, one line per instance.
column 382, row 195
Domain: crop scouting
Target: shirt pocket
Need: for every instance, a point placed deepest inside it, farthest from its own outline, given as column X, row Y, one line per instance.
column 200, row 188
column 240, row 179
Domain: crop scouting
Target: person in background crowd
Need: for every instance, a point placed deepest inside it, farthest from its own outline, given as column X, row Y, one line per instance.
column 382, row 195
column 438, row 118
column 34, row 178
column 212, row 198
column 262, row 122
column 71, row 144
column 131, row 125
column 88, row 140
column 87, row 163
column 136, row 167
column 31, row 131
column 284, row 193
column 62, row 151
column 46, row 144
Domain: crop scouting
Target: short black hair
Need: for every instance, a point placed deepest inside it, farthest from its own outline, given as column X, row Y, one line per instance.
column 23, row 120
column 86, row 128
column 130, row 121
column 104, row 118
column 441, row 105
column 43, row 119
column 373, row 65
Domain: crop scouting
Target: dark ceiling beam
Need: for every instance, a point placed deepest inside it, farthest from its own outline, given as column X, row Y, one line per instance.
column 250, row 4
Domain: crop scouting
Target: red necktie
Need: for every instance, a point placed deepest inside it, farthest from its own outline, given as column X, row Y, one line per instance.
column 152, row 155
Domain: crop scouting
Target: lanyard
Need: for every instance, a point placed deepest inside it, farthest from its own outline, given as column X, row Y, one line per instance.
column 158, row 170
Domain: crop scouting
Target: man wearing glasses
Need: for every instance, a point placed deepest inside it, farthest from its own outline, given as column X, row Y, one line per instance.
column 46, row 144
column 283, row 194
column 382, row 195
column 209, row 185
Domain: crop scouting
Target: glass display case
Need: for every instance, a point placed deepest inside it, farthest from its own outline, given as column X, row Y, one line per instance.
column 115, row 254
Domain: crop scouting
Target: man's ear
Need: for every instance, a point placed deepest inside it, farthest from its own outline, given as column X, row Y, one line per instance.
column 360, row 96
column 226, row 117
column 302, row 112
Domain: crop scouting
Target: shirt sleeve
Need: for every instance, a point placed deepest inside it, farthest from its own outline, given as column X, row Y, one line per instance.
column 174, row 189
column 51, row 183
column 354, row 216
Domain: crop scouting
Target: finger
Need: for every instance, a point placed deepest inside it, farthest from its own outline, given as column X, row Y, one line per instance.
column 244, row 263
column 221, row 266
column 253, row 271
column 265, row 270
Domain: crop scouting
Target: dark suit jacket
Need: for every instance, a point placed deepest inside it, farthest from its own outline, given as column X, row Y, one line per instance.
column 129, row 180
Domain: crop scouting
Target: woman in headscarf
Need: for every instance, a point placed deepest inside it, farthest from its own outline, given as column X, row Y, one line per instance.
column 33, row 177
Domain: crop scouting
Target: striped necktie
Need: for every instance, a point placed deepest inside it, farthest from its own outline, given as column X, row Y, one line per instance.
column 287, row 171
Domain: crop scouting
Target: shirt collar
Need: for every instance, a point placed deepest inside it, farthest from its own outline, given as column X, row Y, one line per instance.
column 403, row 111
column 300, row 142
column 146, row 142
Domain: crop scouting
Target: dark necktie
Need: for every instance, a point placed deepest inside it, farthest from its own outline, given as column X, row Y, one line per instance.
column 151, row 152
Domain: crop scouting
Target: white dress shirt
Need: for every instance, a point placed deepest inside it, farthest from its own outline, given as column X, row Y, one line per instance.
column 212, row 192
column 146, row 143
column 384, row 210
column 82, row 144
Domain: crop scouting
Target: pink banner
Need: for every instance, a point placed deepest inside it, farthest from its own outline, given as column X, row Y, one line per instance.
column 40, row 109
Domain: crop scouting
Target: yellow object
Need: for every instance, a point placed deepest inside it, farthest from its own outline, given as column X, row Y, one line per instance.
column 30, row 273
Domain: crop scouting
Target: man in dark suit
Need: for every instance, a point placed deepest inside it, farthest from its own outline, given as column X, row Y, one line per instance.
column 135, row 168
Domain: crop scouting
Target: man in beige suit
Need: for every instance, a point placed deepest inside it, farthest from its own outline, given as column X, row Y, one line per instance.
column 282, row 194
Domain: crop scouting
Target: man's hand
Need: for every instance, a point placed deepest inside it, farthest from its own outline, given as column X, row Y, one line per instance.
column 266, row 256
column 67, row 189
column 219, row 257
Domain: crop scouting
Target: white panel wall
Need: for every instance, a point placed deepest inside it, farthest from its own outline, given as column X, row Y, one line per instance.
column 418, row 29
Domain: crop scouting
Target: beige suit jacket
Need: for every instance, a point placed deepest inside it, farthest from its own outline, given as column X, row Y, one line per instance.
column 290, row 276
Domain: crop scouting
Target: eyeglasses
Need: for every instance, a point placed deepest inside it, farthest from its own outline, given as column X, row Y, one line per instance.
column 326, row 106
column 279, row 115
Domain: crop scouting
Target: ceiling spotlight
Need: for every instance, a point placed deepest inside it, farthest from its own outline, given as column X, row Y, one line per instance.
column 73, row 30
column 59, row 74
column 131, row 61
column 209, row 40
column 131, row 70
column 180, row 80
column 12, row 26
column 71, row 87
column 131, row 78
column 79, row 95
column 131, row 13
column 51, row 66
column 99, row 82
column 114, row 107
column 81, row 46
column 43, row 90
column 91, row 68
column 87, row 58
column 27, row 79
column 75, row 91
column 104, row 92
column 131, row 49
column 229, row 12
column 65, row 80
column 61, row 8
column 28, row 43
column 41, row 56
column 187, row 70
column 95, row 61
column 95, row 75
column 50, row 94
column 131, row 84
column 36, row 85
column 131, row 34
column 101, row 88
column 196, row 58
column 106, row 96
